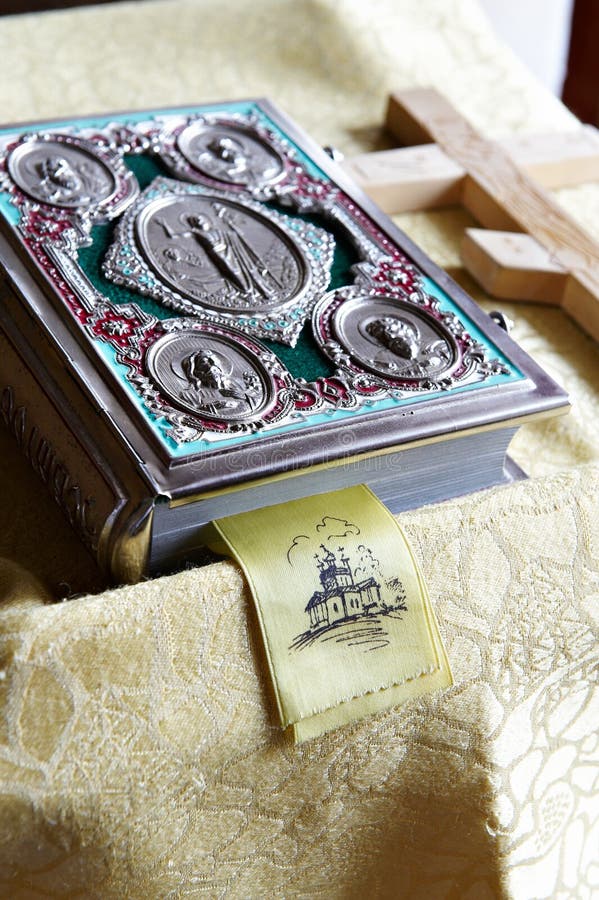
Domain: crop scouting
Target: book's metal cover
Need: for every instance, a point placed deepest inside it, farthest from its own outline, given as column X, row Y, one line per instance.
column 199, row 298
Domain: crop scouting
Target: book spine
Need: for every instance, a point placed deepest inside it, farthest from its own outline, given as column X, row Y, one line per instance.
column 69, row 460
column 46, row 460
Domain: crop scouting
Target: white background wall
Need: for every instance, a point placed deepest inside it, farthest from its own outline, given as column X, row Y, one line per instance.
column 538, row 31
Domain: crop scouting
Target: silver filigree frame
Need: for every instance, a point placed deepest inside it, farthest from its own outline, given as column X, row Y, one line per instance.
column 165, row 144
column 125, row 191
column 470, row 363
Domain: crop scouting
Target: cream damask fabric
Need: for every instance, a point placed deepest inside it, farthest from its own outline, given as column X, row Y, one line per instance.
column 139, row 755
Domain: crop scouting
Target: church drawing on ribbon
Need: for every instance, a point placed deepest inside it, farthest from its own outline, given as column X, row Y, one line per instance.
column 341, row 597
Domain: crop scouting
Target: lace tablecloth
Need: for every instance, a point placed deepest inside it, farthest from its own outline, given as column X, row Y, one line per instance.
column 138, row 751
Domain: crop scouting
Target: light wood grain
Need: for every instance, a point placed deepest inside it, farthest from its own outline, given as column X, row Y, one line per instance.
column 408, row 179
column 557, row 160
column 513, row 266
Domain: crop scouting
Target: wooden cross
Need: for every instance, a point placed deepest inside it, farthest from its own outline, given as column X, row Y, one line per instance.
column 533, row 250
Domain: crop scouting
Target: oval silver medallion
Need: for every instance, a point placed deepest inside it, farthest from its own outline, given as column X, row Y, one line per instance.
column 61, row 173
column 226, row 259
column 394, row 339
column 221, row 254
column 230, row 153
column 212, row 376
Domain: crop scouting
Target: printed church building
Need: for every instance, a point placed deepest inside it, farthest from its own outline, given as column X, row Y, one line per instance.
column 341, row 596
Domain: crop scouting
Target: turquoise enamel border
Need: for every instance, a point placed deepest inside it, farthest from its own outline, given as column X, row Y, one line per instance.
column 159, row 424
column 177, row 451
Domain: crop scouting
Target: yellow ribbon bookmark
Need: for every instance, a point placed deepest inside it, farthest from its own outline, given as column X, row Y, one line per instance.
column 346, row 620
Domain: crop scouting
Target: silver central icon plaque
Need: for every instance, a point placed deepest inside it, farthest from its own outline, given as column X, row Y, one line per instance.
column 221, row 254
column 73, row 174
column 227, row 259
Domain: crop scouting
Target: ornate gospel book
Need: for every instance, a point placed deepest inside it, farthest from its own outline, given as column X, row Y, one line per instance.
column 201, row 315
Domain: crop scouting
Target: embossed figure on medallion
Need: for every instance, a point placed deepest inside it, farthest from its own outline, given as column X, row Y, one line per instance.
column 220, row 254
column 207, row 374
column 213, row 385
column 60, row 174
column 234, row 259
column 404, row 352
column 393, row 338
column 399, row 335
column 230, row 153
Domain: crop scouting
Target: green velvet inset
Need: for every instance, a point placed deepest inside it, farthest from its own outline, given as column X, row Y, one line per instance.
column 303, row 361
